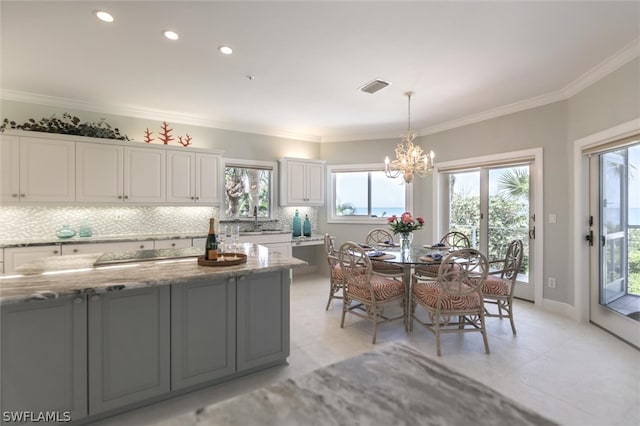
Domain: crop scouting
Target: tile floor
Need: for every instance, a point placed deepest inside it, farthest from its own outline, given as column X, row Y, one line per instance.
column 575, row 374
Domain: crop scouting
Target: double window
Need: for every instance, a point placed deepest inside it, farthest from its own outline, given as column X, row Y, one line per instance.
column 364, row 194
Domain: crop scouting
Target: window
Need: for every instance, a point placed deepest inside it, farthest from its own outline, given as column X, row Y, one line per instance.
column 362, row 193
column 248, row 184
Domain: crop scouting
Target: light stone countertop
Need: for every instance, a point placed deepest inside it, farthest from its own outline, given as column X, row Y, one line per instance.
column 393, row 385
column 60, row 276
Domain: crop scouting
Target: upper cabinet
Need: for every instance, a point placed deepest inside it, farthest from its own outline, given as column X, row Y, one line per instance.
column 301, row 182
column 116, row 174
column 50, row 168
column 37, row 170
column 193, row 178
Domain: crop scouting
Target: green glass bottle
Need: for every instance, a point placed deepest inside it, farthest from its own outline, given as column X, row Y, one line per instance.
column 306, row 227
column 297, row 227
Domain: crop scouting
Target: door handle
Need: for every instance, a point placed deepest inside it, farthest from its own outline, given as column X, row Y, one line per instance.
column 589, row 238
column 532, row 233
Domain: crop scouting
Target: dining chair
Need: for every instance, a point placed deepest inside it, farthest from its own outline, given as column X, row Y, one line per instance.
column 452, row 239
column 500, row 283
column 367, row 293
column 455, row 293
column 335, row 272
column 379, row 239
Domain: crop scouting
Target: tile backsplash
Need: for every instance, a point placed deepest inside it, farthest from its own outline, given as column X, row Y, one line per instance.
column 18, row 222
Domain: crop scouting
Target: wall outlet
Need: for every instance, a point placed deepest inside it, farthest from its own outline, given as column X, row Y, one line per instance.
column 552, row 282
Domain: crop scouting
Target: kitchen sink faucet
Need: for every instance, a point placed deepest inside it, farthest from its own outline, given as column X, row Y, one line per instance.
column 255, row 215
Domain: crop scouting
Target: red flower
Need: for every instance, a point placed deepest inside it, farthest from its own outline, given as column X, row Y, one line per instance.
column 391, row 218
column 420, row 220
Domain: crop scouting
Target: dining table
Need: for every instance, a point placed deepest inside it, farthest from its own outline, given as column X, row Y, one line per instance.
column 408, row 259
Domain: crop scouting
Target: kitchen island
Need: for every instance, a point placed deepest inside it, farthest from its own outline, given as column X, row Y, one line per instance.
column 81, row 341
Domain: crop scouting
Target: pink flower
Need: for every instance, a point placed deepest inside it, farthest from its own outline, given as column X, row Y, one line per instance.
column 406, row 218
column 391, row 218
column 420, row 220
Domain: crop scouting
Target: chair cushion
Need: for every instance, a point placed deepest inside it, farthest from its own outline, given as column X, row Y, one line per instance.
column 495, row 286
column 383, row 288
column 336, row 272
column 427, row 293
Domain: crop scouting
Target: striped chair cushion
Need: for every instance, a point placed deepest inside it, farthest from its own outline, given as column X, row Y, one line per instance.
column 383, row 288
column 428, row 292
column 496, row 286
column 336, row 272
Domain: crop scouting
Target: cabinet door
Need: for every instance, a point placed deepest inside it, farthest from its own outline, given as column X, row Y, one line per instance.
column 262, row 319
column 106, row 247
column 207, row 178
column 99, row 173
column 203, row 328
column 181, row 177
column 144, row 175
column 17, row 256
column 315, row 183
column 296, row 192
column 128, row 347
column 283, row 249
column 9, row 169
column 47, row 170
column 44, row 357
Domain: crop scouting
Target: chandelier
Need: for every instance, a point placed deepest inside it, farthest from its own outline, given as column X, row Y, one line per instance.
column 410, row 158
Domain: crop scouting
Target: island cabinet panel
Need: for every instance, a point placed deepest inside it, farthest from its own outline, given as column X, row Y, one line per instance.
column 203, row 331
column 263, row 319
column 44, row 357
column 129, row 346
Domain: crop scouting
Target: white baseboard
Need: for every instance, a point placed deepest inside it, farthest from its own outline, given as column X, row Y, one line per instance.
column 560, row 308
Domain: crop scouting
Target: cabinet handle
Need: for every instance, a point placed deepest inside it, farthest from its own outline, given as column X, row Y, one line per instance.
column 75, row 250
column 126, row 197
column 141, row 246
column 95, row 298
column 77, row 300
column 23, row 195
column 120, row 197
column 197, row 198
column 14, row 195
column 55, row 252
column 173, row 244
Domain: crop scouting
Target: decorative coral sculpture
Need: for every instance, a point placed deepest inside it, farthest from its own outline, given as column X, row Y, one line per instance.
column 187, row 140
column 147, row 135
column 165, row 134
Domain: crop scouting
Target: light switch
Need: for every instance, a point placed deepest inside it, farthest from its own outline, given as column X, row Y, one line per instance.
column 553, row 218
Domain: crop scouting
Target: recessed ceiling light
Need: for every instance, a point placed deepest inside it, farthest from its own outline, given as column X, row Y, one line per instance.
column 104, row 16
column 171, row 35
column 225, row 50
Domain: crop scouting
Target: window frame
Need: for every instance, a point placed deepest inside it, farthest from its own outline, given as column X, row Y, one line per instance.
column 369, row 167
column 239, row 162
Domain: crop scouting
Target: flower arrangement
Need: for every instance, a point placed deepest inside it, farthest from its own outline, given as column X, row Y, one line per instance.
column 405, row 223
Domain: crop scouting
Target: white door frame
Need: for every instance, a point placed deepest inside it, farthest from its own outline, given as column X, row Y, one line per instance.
column 537, row 168
column 581, row 209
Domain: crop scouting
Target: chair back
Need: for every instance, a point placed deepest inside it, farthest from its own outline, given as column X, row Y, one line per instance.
column 512, row 261
column 377, row 236
column 355, row 264
column 455, row 239
column 329, row 244
column 463, row 272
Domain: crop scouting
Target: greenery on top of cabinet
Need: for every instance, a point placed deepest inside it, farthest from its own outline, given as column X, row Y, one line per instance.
column 67, row 125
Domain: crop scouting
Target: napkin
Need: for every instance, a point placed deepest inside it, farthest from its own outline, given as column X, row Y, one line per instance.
column 438, row 245
column 375, row 254
column 436, row 256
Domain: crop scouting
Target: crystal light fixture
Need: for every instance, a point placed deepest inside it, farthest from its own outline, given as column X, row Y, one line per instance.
column 410, row 158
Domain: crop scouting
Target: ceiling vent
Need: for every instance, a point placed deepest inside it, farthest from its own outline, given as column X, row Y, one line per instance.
column 373, row 86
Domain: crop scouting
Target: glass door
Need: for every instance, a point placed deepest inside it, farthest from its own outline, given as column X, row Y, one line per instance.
column 492, row 206
column 614, row 236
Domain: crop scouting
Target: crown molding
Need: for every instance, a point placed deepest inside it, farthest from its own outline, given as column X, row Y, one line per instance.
column 148, row 114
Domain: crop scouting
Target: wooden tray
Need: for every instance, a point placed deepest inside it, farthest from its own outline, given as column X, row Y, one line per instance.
column 228, row 260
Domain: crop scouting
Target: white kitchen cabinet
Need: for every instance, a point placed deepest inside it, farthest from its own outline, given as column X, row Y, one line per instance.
column 276, row 243
column 87, row 248
column 172, row 243
column 301, row 182
column 193, row 178
column 37, row 170
column 17, row 256
column 9, row 169
column 116, row 174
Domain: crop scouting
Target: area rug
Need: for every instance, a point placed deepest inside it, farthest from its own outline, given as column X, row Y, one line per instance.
column 394, row 385
column 634, row 316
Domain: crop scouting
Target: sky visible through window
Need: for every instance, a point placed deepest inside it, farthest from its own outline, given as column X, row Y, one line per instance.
column 387, row 195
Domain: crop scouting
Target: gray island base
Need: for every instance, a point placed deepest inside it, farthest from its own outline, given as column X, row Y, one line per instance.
column 88, row 342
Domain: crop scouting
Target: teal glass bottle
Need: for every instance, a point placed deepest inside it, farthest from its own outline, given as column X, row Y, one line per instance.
column 296, row 226
column 306, row 227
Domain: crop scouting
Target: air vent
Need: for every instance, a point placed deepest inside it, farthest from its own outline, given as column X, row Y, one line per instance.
column 373, row 86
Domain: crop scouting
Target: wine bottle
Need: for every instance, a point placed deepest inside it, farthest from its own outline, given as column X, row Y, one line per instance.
column 211, row 246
